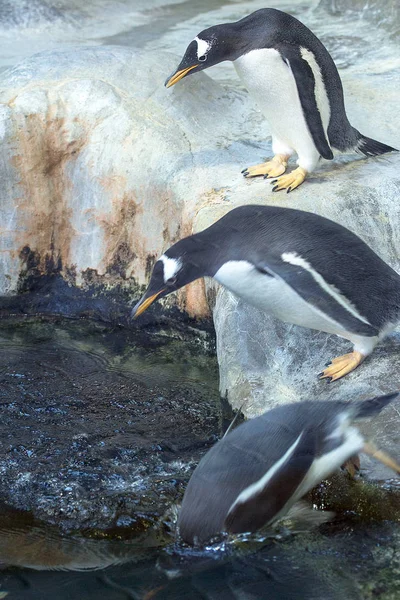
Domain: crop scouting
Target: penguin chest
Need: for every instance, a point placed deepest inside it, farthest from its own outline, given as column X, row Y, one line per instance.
column 273, row 296
column 270, row 81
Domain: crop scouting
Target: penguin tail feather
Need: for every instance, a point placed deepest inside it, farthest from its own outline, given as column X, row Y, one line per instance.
column 370, row 147
column 373, row 406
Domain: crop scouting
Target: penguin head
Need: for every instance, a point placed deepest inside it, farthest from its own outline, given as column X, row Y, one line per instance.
column 179, row 265
column 229, row 41
column 210, row 47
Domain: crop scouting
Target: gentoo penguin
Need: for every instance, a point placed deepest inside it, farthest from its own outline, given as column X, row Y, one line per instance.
column 295, row 265
column 255, row 474
column 295, row 83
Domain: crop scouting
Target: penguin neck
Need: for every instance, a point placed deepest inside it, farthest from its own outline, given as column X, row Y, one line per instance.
column 209, row 252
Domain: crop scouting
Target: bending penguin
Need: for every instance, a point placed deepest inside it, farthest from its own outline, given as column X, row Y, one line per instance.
column 298, row 266
column 295, row 83
column 254, row 475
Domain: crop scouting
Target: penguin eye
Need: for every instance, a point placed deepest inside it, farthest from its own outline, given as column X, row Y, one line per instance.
column 171, row 281
column 202, row 58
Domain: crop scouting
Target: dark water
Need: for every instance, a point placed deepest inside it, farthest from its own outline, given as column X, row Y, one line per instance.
column 100, row 430
column 343, row 561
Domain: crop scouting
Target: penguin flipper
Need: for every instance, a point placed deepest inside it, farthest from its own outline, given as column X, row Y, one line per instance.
column 312, row 287
column 261, row 506
column 305, row 82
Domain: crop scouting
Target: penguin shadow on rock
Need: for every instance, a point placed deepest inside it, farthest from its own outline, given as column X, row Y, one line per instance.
column 294, row 81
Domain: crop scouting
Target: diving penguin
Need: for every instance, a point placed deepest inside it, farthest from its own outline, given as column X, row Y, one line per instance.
column 295, row 83
column 298, row 266
column 258, row 471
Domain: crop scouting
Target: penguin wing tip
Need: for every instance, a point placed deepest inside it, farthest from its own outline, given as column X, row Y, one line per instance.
column 392, row 395
column 373, row 406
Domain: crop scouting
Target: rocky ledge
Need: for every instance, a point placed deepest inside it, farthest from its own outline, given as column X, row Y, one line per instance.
column 103, row 168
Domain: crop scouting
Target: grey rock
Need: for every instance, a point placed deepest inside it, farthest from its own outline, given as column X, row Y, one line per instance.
column 264, row 362
column 27, row 13
column 384, row 13
column 30, row 26
column 103, row 168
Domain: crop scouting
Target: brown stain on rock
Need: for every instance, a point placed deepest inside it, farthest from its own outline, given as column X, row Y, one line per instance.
column 191, row 299
column 45, row 149
column 129, row 253
column 120, row 254
column 198, row 299
column 196, row 304
column 47, row 146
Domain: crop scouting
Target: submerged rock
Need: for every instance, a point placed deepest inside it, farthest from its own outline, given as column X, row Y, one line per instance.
column 100, row 429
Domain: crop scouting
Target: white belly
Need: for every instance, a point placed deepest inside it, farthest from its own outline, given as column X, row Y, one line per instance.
column 327, row 464
column 274, row 296
column 271, row 83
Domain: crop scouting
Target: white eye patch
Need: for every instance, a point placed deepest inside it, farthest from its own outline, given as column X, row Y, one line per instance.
column 203, row 47
column 171, row 267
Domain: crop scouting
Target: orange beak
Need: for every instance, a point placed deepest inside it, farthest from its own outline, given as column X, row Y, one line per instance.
column 143, row 305
column 178, row 76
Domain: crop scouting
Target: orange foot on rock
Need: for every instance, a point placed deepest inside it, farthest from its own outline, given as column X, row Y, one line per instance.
column 342, row 365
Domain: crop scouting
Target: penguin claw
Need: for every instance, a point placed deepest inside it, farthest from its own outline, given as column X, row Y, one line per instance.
column 272, row 168
column 321, row 376
column 290, row 181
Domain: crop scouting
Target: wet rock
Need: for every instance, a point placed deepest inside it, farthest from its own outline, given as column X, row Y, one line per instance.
column 100, row 430
column 264, row 362
column 27, row 543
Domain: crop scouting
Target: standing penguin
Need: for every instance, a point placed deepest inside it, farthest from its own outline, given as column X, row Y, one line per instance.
column 298, row 266
column 294, row 80
column 255, row 474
